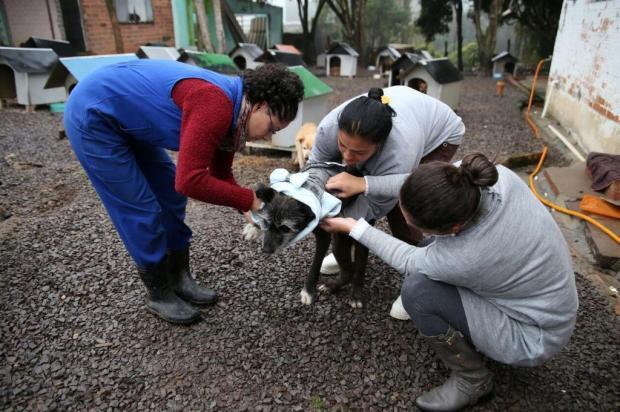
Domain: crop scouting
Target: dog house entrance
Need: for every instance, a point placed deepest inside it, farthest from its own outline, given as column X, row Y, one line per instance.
column 240, row 62
column 334, row 66
column 418, row 84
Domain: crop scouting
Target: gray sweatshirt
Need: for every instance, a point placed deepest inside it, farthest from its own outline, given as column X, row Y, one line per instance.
column 422, row 124
column 512, row 269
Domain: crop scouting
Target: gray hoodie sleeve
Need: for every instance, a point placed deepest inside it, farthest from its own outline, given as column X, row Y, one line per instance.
column 396, row 253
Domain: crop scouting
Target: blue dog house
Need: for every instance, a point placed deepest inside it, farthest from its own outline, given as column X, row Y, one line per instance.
column 70, row 70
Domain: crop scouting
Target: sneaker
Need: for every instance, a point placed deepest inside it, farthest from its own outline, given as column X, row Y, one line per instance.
column 398, row 311
column 329, row 265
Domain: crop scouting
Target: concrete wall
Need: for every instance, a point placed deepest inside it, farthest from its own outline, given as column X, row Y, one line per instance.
column 99, row 35
column 584, row 86
column 28, row 18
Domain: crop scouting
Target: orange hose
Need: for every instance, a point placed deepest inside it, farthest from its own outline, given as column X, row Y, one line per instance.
column 536, row 131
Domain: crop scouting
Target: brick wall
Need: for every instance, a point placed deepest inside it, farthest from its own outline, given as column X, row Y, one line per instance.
column 99, row 35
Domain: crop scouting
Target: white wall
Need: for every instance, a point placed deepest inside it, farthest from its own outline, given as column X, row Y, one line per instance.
column 28, row 18
column 30, row 89
column 583, row 92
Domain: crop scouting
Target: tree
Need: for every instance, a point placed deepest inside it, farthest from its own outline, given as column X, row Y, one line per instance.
column 541, row 17
column 308, row 26
column 116, row 28
column 435, row 18
column 219, row 26
column 351, row 15
column 386, row 22
column 486, row 37
column 203, row 27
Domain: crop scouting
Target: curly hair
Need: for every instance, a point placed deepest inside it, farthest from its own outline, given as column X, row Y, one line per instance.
column 276, row 85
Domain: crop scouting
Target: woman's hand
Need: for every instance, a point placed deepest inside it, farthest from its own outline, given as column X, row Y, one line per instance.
column 338, row 224
column 345, row 185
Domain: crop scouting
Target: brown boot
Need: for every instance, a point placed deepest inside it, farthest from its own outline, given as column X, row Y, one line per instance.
column 469, row 379
column 182, row 282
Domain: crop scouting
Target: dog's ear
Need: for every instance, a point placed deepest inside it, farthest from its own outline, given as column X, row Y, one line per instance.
column 265, row 193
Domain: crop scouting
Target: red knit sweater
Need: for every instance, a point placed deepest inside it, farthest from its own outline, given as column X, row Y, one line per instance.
column 204, row 171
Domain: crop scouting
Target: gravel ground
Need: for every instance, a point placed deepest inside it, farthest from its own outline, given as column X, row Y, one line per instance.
column 74, row 334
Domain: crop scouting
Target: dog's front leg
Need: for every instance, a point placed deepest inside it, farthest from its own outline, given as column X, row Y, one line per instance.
column 309, row 292
column 359, row 273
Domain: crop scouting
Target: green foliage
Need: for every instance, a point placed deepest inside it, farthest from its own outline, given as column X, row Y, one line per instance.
column 470, row 56
column 435, row 18
column 317, row 403
column 386, row 21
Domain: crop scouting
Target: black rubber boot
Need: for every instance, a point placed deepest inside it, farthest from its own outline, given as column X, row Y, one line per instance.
column 161, row 300
column 182, row 282
column 469, row 380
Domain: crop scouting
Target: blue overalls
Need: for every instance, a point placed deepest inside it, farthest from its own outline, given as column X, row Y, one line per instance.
column 119, row 120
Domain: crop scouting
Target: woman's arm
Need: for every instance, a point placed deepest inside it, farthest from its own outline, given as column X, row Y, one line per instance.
column 207, row 116
column 396, row 253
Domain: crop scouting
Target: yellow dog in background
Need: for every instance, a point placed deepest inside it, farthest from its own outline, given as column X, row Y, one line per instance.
column 304, row 142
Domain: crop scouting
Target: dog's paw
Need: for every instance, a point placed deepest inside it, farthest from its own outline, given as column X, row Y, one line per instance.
column 306, row 298
column 251, row 232
column 331, row 286
column 356, row 304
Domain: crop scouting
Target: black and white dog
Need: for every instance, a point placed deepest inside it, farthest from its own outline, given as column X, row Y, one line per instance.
column 285, row 219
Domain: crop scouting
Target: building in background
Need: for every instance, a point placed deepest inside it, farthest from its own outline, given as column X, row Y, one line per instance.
column 583, row 92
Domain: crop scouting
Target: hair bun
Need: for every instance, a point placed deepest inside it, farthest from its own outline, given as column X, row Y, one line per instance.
column 375, row 93
column 479, row 170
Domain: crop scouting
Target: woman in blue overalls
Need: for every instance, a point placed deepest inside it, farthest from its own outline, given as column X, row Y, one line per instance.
column 121, row 118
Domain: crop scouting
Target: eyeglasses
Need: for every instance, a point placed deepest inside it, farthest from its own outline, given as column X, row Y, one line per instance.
column 272, row 128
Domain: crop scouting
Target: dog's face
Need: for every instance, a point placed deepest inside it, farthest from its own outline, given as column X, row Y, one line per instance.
column 284, row 217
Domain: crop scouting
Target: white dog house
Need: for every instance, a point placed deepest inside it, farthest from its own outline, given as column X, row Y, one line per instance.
column 23, row 73
column 70, row 70
column 244, row 55
column 385, row 59
column 158, row 53
column 402, row 64
column 312, row 109
column 341, row 60
column 438, row 78
column 503, row 63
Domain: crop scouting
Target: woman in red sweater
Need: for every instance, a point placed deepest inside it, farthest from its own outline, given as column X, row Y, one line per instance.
column 122, row 118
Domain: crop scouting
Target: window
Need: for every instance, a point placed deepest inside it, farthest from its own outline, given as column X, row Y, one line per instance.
column 134, row 11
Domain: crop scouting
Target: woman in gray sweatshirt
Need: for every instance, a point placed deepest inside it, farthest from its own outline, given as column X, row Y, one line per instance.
column 497, row 278
column 385, row 133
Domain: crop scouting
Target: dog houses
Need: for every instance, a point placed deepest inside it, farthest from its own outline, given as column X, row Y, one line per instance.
column 23, row 73
column 68, row 71
column 438, row 78
column 244, row 55
column 287, row 48
column 385, row 59
column 403, row 63
column 158, row 53
column 275, row 56
column 503, row 63
column 221, row 63
column 341, row 60
column 312, row 109
column 62, row 48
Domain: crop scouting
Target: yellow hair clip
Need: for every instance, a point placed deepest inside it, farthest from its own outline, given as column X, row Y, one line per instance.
column 385, row 99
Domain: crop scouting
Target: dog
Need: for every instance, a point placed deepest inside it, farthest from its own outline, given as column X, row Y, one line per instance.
column 285, row 218
column 304, row 140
